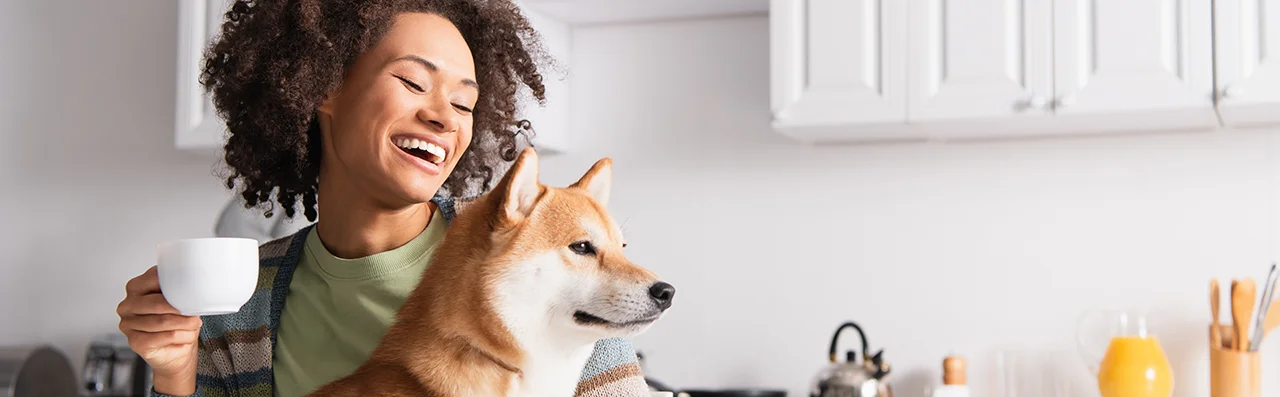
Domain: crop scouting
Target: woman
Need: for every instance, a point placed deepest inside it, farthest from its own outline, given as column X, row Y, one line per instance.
column 363, row 110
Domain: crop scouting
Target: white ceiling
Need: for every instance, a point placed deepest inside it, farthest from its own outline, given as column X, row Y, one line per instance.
column 580, row 12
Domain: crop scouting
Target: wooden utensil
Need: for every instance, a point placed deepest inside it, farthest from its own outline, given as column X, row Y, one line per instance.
column 1243, row 292
column 1272, row 321
column 1215, row 336
column 1228, row 335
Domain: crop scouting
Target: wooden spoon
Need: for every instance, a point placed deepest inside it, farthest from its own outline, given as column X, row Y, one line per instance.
column 1243, row 293
column 1215, row 334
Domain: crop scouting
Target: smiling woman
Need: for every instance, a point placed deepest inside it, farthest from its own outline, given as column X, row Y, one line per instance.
column 363, row 111
column 268, row 90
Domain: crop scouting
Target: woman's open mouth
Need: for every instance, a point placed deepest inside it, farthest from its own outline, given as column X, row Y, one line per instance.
column 427, row 151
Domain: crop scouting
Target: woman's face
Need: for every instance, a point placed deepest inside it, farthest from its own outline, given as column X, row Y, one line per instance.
column 402, row 118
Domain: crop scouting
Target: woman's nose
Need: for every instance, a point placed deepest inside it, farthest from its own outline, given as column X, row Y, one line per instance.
column 438, row 112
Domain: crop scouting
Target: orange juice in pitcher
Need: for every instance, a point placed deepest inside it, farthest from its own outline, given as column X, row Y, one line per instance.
column 1133, row 364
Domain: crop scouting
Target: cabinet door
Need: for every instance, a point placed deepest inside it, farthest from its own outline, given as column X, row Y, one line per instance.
column 1248, row 40
column 197, row 127
column 980, row 60
column 838, row 68
column 1133, row 64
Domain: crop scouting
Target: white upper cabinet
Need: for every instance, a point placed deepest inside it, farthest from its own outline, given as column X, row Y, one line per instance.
column 993, row 68
column 838, row 63
column 1248, row 48
column 979, row 59
column 1133, row 64
column 197, row 127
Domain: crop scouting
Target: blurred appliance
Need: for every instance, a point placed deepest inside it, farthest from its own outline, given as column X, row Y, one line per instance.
column 657, row 386
column 237, row 221
column 112, row 369
column 36, row 371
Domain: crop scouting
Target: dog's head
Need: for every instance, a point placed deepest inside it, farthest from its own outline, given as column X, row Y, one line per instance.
column 557, row 262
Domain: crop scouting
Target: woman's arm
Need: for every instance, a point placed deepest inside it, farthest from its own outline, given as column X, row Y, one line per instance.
column 613, row 371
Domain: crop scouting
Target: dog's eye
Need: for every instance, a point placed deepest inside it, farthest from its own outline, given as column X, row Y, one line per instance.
column 583, row 248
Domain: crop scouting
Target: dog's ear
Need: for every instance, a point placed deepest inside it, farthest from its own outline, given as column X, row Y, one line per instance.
column 598, row 180
column 519, row 188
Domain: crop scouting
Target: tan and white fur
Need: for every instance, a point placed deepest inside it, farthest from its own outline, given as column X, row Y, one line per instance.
column 527, row 279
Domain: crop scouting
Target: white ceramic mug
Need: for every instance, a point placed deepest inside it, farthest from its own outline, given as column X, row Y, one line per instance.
column 208, row 276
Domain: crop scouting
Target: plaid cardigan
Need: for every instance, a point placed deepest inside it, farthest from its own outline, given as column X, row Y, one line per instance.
column 235, row 350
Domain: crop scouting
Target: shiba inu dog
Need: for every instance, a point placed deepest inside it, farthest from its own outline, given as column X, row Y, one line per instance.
column 527, row 279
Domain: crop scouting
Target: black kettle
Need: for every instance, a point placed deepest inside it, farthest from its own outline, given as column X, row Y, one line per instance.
column 852, row 378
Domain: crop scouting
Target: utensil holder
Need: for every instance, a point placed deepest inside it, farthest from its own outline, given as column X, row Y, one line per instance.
column 1234, row 373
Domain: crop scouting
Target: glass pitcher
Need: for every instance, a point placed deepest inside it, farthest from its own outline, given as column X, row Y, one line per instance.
column 1128, row 361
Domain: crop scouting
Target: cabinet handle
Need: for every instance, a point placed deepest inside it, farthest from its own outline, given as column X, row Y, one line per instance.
column 1038, row 102
column 1034, row 102
column 1232, row 91
column 1064, row 101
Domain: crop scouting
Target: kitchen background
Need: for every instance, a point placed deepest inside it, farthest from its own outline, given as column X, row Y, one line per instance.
column 933, row 247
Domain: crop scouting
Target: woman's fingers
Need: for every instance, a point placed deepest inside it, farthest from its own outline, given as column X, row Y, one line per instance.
column 146, row 343
column 162, row 323
column 145, row 304
column 146, row 283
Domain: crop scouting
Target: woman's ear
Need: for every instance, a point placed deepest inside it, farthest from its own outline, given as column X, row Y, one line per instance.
column 327, row 105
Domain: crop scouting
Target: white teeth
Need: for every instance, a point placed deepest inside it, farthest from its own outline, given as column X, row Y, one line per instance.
column 438, row 153
column 435, row 150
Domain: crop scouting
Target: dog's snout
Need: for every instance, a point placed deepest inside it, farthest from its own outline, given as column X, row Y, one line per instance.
column 662, row 293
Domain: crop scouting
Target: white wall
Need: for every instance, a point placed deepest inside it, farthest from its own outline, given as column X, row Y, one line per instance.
column 89, row 179
column 933, row 248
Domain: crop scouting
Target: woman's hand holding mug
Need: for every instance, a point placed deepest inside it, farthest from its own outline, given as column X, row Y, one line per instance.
column 162, row 336
column 160, row 314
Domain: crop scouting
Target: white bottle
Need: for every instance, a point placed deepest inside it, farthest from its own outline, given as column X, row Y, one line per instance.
column 953, row 379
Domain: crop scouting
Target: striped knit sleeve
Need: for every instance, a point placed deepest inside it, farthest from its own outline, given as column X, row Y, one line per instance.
column 613, row 371
column 450, row 206
column 198, row 393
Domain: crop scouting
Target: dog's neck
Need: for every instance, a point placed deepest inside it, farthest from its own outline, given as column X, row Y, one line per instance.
column 450, row 358
column 528, row 360
column 553, row 351
column 495, row 360
column 482, row 332
column 552, row 364
column 483, row 336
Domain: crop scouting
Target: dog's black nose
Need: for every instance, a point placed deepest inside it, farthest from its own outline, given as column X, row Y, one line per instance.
column 662, row 294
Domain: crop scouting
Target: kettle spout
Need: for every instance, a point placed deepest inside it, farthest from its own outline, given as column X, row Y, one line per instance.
column 880, row 367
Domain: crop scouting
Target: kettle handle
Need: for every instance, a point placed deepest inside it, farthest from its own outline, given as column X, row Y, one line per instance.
column 836, row 338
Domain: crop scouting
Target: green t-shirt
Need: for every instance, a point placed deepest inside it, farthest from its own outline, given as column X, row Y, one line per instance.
column 338, row 309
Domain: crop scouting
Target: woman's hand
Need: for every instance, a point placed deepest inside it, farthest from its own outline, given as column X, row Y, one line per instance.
column 165, row 339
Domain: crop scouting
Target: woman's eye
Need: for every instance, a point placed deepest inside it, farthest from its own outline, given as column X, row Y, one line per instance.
column 411, row 84
column 582, row 248
column 462, row 108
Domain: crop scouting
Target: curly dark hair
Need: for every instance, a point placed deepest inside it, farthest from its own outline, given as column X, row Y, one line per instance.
column 276, row 60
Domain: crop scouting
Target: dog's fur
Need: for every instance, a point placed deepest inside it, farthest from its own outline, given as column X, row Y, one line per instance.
column 509, row 305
